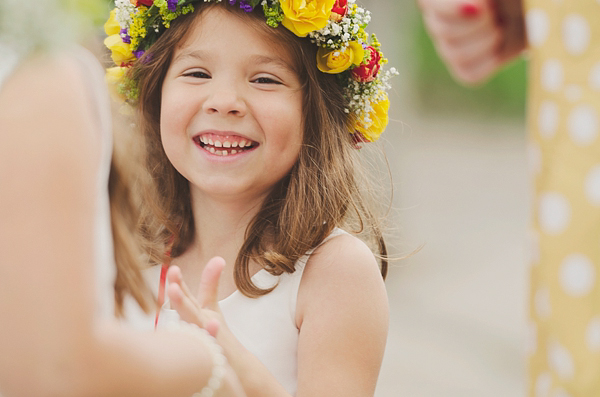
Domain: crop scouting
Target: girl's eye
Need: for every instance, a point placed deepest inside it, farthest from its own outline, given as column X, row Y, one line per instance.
column 197, row 75
column 266, row 80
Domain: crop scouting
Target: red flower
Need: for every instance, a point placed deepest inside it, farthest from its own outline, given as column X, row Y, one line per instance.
column 340, row 9
column 367, row 72
column 138, row 3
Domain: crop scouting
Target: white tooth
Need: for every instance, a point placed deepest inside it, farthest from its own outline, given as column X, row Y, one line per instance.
column 243, row 143
column 203, row 139
column 234, row 144
column 212, row 150
column 218, row 144
column 210, row 142
column 226, row 144
column 225, row 152
column 234, row 151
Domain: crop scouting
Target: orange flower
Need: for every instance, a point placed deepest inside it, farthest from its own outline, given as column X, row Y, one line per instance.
column 147, row 3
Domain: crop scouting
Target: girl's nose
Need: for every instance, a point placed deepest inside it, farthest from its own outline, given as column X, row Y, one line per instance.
column 225, row 101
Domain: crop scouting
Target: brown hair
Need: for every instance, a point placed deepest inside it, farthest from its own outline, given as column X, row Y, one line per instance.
column 322, row 183
column 124, row 189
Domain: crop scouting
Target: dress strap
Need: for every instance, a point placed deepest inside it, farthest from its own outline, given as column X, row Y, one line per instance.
column 161, row 292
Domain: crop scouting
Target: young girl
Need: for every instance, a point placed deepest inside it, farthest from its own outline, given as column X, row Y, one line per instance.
column 251, row 129
column 58, row 332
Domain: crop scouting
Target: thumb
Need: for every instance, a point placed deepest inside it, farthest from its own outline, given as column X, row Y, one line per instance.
column 209, row 283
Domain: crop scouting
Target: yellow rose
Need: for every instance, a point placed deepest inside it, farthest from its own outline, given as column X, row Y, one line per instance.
column 112, row 26
column 379, row 120
column 114, row 76
column 305, row 16
column 121, row 52
column 336, row 61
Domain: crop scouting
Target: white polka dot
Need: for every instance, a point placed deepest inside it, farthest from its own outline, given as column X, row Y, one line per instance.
column 538, row 27
column 541, row 302
column 592, row 185
column 534, row 156
column 543, row 383
column 595, row 76
column 577, row 275
column 548, row 119
column 573, row 92
column 560, row 361
column 576, row 34
column 554, row 213
column 583, row 125
column 592, row 335
column 560, row 393
column 552, row 75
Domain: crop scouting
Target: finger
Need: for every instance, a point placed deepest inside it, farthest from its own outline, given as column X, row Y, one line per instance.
column 184, row 306
column 209, row 283
column 477, row 72
column 453, row 10
column 174, row 276
column 463, row 55
column 441, row 29
column 212, row 326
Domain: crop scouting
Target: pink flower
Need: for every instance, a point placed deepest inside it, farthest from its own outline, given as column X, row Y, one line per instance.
column 367, row 72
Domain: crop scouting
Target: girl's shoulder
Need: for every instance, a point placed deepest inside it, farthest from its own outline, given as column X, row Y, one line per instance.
column 342, row 270
column 343, row 255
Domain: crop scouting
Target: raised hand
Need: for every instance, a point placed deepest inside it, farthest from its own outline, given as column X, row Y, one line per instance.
column 202, row 310
column 475, row 37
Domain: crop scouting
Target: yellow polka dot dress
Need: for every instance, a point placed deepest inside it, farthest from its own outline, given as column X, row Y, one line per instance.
column 564, row 127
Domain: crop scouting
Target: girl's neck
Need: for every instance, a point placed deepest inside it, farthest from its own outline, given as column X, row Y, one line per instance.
column 220, row 227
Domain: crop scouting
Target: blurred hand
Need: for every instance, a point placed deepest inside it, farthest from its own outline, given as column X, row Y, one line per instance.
column 474, row 37
column 203, row 311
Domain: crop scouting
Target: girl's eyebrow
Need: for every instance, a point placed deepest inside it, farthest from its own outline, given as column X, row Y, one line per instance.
column 196, row 54
column 257, row 59
column 267, row 60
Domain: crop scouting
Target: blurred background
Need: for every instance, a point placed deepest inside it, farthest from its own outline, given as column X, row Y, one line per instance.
column 461, row 192
column 457, row 158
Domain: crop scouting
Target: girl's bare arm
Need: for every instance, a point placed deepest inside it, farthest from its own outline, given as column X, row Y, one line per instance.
column 343, row 318
column 50, row 343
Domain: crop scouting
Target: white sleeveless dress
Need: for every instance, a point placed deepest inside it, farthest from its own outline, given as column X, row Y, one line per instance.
column 266, row 326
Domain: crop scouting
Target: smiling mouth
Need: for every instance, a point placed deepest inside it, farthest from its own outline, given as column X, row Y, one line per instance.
column 224, row 145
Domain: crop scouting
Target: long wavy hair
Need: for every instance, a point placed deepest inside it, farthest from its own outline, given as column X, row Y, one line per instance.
column 323, row 190
column 125, row 191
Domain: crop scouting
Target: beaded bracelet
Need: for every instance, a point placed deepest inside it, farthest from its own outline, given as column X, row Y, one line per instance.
column 216, row 351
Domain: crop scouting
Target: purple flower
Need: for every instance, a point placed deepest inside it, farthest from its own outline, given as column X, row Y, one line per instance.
column 125, row 37
column 172, row 5
column 243, row 5
column 138, row 54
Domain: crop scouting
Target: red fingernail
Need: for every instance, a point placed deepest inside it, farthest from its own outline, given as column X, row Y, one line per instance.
column 469, row 10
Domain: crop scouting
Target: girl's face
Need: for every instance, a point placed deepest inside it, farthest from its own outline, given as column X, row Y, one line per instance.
column 231, row 110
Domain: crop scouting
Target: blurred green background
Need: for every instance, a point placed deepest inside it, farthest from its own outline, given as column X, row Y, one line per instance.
column 436, row 92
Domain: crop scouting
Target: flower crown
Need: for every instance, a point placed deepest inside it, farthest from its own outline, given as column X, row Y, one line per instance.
column 337, row 27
